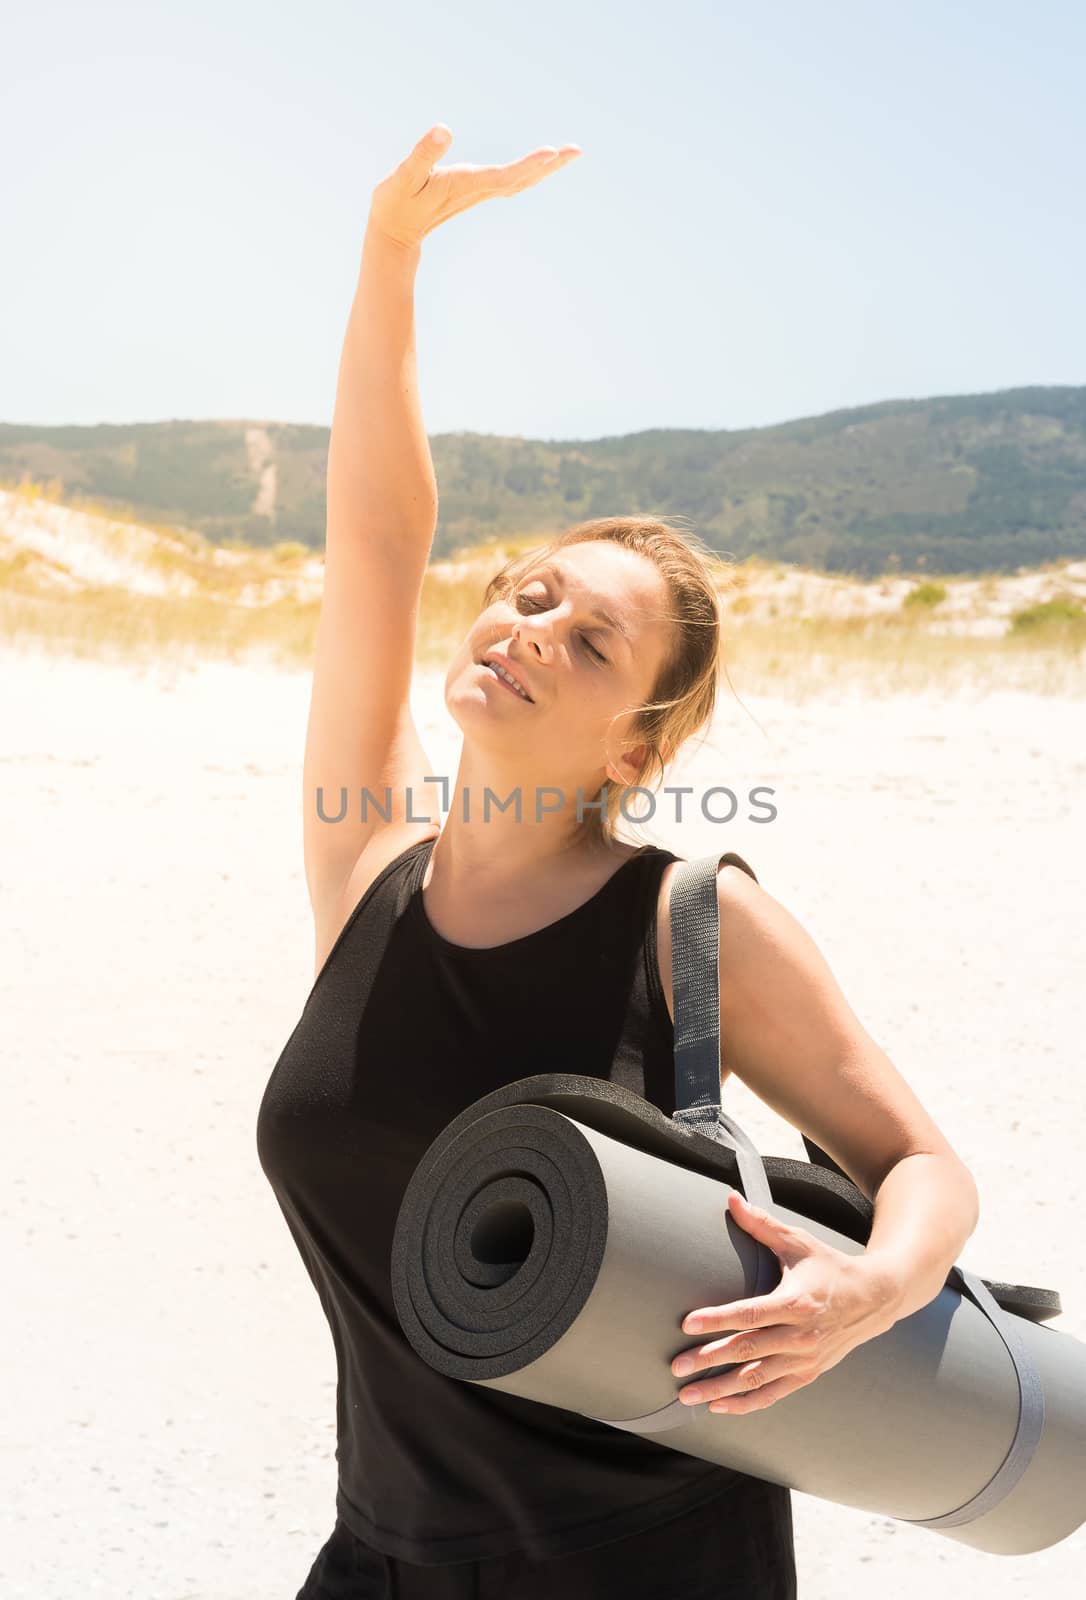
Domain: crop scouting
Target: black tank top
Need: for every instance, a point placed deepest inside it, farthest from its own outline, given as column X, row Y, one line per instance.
column 432, row 1469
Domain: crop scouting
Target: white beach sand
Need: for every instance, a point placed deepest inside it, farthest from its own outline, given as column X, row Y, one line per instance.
column 170, row 1378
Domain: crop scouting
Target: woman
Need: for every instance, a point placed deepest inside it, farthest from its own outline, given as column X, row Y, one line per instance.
column 528, row 938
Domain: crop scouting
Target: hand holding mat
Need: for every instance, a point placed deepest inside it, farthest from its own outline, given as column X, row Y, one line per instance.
column 822, row 1308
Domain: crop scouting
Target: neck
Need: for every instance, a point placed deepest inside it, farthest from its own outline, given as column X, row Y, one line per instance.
column 482, row 841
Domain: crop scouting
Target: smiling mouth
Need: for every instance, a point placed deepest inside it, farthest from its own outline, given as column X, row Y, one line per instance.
column 499, row 673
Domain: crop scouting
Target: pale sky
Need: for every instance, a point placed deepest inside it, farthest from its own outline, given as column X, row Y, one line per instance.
column 781, row 209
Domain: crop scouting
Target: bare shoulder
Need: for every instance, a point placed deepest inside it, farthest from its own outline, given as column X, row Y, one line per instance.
column 788, row 1032
column 380, row 849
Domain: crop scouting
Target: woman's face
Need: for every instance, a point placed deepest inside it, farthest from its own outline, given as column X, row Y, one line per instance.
column 578, row 668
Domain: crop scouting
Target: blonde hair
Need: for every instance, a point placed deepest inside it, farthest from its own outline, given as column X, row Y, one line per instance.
column 683, row 697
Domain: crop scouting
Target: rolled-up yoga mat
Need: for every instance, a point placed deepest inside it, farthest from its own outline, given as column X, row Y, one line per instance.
column 557, row 1231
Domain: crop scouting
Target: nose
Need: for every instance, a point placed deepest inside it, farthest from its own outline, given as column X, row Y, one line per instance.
column 535, row 636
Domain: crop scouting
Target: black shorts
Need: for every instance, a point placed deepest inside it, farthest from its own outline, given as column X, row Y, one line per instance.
column 736, row 1547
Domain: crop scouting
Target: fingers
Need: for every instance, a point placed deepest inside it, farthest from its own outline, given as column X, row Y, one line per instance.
column 540, row 164
column 495, row 179
column 737, row 1405
column 740, row 1385
column 419, row 194
column 790, row 1303
column 756, row 1346
column 517, row 175
column 760, row 1312
column 416, row 166
column 756, row 1220
column 750, row 1383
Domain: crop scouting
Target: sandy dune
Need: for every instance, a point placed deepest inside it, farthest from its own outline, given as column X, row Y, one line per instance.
column 60, row 548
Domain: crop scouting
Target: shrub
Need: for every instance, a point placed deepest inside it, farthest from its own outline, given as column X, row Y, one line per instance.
column 925, row 594
column 1062, row 610
column 288, row 550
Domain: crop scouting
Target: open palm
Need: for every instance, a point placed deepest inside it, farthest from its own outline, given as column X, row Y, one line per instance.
column 417, row 196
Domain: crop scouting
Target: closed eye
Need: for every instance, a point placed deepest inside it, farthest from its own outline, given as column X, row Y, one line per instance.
column 583, row 638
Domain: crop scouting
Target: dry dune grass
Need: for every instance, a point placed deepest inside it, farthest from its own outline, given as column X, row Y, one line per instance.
column 86, row 580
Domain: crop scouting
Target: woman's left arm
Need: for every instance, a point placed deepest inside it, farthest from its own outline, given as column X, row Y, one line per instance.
column 788, row 1032
column 925, row 1209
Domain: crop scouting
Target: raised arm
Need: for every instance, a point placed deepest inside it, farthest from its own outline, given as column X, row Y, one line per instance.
column 381, row 516
column 382, row 506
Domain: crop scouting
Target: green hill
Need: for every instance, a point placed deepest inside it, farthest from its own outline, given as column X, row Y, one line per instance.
column 954, row 484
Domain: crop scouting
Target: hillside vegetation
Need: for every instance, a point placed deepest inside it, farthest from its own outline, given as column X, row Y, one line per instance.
column 946, row 486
